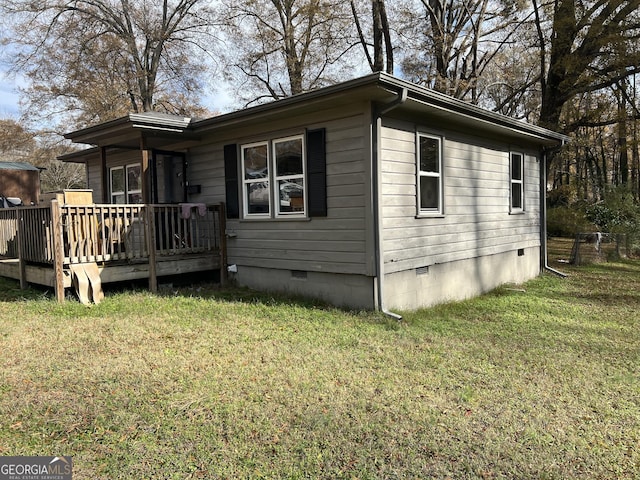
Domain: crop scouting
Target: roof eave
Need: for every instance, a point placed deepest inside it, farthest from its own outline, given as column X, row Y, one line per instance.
column 458, row 107
column 142, row 122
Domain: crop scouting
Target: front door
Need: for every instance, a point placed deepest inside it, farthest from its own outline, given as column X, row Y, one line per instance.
column 170, row 182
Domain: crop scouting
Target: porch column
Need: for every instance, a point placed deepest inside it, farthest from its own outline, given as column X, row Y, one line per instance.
column 105, row 175
column 146, row 171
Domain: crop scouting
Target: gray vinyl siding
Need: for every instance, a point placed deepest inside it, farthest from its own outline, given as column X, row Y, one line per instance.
column 94, row 181
column 476, row 220
column 94, row 174
column 339, row 243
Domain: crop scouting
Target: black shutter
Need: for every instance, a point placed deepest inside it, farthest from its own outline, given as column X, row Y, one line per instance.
column 231, row 180
column 317, row 173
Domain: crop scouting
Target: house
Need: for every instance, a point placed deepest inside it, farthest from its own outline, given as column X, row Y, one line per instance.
column 370, row 194
column 20, row 180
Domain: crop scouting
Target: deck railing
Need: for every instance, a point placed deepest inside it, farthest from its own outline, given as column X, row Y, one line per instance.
column 71, row 234
column 102, row 233
column 27, row 233
column 8, row 233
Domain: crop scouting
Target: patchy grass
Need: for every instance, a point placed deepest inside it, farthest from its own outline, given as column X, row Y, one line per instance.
column 208, row 383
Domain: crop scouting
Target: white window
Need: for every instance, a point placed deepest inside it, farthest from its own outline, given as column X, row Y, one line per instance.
column 289, row 175
column 118, row 185
column 255, row 179
column 517, row 182
column 429, row 182
column 273, row 179
column 126, row 184
column 134, row 183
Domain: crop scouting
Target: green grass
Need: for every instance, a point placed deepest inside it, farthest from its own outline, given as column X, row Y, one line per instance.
column 208, row 383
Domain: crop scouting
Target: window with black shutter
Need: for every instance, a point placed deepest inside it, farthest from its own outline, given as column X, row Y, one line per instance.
column 279, row 178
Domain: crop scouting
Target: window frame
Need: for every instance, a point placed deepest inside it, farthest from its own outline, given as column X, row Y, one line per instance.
column 519, row 182
column 273, row 180
column 129, row 190
column 299, row 176
column 430, row 212
column 118, row 193
column 125, row 194
column 246, row 182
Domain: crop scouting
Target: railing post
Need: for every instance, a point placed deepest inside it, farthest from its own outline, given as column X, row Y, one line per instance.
column 58, row 249
column 151, row 247
column 22, row 267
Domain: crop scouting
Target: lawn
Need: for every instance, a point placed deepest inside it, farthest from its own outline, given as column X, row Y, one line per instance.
column 532, row 381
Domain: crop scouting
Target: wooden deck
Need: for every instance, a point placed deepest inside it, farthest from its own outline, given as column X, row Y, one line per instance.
column 44, row 245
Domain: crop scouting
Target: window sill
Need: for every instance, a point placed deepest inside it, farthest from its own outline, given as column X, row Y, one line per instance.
column 517, row 212
column 430, row 215
column 275, row 219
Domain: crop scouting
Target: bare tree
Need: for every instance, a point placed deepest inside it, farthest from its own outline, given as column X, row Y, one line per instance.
column 279, row 48
column 458, row 40
column 584, row 47
column 16, row 143
column 106, row 57
column 19, row 144
column 382, row 58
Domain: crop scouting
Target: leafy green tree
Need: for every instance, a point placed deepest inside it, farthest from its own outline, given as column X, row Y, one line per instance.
column 617, row 213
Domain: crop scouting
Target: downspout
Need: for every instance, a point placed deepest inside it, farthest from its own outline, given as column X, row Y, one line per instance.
column 543, row 219
column 378, row 112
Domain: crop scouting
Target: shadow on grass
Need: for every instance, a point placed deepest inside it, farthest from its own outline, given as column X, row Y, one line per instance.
column 10, row 291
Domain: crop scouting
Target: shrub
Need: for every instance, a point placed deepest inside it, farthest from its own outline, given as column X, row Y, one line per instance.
column 567, row 221
column 617, row 213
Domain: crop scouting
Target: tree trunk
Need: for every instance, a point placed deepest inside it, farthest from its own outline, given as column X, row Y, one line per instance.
column 554, row 94
column 378, row 57
column 436, row 17
column 623, row 155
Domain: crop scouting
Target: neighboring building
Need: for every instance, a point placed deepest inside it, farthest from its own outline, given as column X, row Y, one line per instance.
column 20, row 180
column 374, row 193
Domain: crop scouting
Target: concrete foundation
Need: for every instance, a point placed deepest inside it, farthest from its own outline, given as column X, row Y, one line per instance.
column 342, row 290
column 441, row 283
column 407, row 290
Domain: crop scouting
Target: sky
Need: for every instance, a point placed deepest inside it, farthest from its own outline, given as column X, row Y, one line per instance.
column 8, row 97
column 221, row 101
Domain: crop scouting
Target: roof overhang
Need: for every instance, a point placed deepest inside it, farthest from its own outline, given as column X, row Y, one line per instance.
column 382, row 89
column 156, row 130
column 135, row 131
column 464, row 114
column 80, row 156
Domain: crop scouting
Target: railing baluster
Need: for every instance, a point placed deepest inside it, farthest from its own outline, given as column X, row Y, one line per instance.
column 107, row 233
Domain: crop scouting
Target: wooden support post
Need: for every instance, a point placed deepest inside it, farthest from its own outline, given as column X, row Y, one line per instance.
column 150, row 223
column 58, row 249
column 105, row 175
column 146, row 171
column 22, row 267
